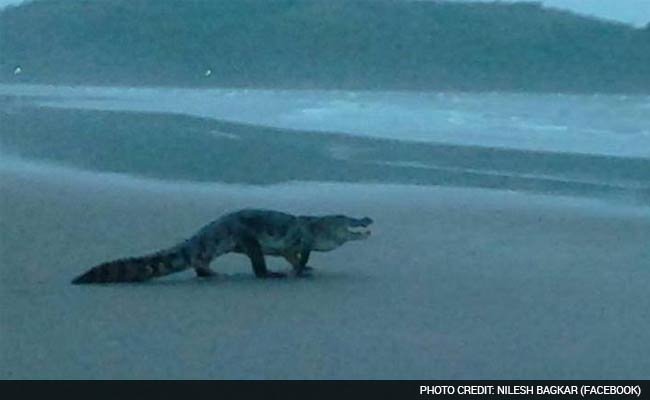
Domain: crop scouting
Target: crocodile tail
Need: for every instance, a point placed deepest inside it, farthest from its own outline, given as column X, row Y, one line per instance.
column 136, row 269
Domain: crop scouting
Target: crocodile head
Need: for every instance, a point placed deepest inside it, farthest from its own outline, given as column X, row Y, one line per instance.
column 331, row 231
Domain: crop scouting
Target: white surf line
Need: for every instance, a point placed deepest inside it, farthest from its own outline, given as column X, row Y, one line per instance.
column 223, row 135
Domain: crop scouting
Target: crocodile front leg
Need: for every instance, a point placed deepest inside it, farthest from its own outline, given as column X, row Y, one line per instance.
column 298, row 260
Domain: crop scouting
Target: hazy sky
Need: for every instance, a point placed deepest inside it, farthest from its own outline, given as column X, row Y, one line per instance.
column 636, row 12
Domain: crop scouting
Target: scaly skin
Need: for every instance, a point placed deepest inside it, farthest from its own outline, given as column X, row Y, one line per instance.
column 255, row 233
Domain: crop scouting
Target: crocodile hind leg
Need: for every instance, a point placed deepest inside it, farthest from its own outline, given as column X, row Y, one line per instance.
column 201, row 264
column 253, row 250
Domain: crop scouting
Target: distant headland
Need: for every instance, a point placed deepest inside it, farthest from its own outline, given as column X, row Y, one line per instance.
column 311, row 44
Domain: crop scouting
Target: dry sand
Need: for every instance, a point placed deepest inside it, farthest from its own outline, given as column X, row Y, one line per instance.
column 454, row 283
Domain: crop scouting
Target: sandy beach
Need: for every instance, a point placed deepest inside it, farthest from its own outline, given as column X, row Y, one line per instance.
column 501, row 149
column 454, row 283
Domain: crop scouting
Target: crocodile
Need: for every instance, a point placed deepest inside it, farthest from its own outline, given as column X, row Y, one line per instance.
column 253, row 232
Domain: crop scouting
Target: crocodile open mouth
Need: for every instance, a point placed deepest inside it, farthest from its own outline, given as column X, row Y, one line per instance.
column 359, row 230
column 360, row 227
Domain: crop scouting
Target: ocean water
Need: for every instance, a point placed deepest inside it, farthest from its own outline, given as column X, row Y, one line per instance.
column 616, row 125
column 563, row 144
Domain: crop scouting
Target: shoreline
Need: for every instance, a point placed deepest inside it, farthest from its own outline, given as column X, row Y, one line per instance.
column 181, row 148
column 48, row 173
